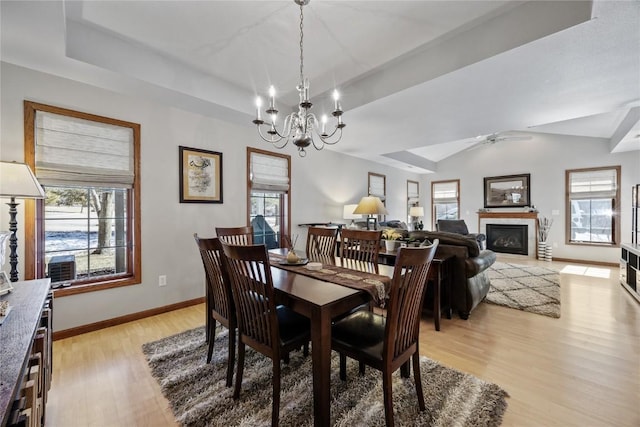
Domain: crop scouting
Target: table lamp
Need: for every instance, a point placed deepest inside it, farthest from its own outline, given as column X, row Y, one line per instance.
column 18, row 182
column 416, row 212
column 347, row 213
column 371, row 205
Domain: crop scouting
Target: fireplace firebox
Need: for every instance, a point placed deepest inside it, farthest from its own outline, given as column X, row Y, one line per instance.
column 508, row 238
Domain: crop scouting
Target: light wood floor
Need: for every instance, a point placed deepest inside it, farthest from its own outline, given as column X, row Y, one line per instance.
column 580, row 370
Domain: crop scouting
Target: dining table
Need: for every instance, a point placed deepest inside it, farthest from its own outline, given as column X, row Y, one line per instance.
column 322, row 295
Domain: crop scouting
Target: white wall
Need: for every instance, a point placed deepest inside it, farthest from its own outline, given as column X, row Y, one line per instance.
column 546, row 157
column 321, row 184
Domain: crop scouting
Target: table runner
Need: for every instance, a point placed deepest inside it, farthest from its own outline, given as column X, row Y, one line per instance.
column 376, row 285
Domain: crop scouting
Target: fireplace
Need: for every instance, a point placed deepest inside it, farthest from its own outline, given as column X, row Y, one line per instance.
column 508, row 238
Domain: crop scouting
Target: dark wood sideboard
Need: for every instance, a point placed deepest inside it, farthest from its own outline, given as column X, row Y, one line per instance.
column 25, row 353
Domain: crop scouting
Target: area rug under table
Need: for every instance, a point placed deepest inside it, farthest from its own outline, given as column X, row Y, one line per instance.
column 198, row 397
column 525, row 287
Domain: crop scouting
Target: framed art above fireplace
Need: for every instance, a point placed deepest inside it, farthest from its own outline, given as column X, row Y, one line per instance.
column 507, row 191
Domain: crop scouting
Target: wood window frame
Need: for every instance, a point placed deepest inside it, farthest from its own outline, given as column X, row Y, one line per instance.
column 433, row 213
column 34, row 231
column 615, row 222
column 283, row 220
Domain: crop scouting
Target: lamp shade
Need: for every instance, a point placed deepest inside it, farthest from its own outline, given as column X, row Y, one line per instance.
column 347, row 213
column 417, row 211
column 370, row 205
column 17, row 180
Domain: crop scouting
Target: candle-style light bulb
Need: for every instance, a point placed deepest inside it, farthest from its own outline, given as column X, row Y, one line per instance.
column 336, row 97
column 258, row 106
column 324, row 123
column 274, row 117
column 272, row 95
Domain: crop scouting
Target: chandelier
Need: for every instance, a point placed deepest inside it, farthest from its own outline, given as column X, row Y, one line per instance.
column 299, row 126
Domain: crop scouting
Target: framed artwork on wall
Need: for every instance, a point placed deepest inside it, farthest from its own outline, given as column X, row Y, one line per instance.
column 507, row 191
column 200, row 176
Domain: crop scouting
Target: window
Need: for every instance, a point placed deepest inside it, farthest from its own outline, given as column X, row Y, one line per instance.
column 593, row 205
column 86, row 233
column 269, row 206
column 378, row 188
column 413, row 197
column 445, row 200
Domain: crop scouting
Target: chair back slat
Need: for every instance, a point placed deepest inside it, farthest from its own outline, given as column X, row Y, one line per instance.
column 321, row 242
column 236, row 235
column 406, row 298
column 361, row 245
column 218, row 284
column 253, row 294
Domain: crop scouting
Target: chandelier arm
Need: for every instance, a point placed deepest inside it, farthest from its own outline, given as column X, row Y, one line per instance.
column 270, row 139
column 326, row 139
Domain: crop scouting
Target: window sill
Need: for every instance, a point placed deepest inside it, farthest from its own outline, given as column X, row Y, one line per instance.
column 95, row 286
column 595, row 244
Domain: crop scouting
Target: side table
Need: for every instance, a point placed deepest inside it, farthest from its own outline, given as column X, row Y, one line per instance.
column 439, row 274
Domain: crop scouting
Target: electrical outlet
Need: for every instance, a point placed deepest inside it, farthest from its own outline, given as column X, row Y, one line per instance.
column 162, row 280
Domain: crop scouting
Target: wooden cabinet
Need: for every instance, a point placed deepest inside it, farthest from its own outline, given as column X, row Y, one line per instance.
column 25, row 354
column 630, row 269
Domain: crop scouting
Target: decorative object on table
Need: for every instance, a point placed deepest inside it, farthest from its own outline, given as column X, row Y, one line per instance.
column 372, row 207
column 197, row 394
column 5, row 308
column 507, row 191
column 200, row 176
column 5, row 284
column 347, row 213
column 391, row 239
column 417, row 212
column 18, row 182
column 299, row 126
column 525, row 287
column 545, row 249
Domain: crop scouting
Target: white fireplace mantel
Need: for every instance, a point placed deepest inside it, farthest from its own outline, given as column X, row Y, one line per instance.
column 530, row 219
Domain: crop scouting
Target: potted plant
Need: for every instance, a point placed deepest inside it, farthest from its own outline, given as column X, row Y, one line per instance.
column 391, row 239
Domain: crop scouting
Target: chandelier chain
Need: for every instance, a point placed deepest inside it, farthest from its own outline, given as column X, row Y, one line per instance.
column 301, row 47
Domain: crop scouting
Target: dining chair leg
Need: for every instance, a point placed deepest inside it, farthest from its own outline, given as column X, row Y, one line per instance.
column 361, row 368
column 236, row 391
column 286, row 358
column 231, row 360
column 306, row 349
column 388, row 398
column 343, row 367
column 418, row 380
column 275, row 408
column 211, row 336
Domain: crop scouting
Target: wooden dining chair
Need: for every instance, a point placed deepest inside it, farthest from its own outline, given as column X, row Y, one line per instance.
column 388, row 343
column 321, row 242
column 271, row 330
column 236, row 235
column 360, row 245
column 219, row 299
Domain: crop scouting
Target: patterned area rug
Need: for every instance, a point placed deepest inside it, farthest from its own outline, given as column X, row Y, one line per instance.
column 524, row 287
column 198, row 396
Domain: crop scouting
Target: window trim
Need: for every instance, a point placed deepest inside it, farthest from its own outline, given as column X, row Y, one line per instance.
column 409, row 205
column 433, row 212
column 248, row 174
column 34, row 232
column 615, row 223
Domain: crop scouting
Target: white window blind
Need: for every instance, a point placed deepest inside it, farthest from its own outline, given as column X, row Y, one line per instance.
column 594, row 184
column 269, row 173
column 445, row 192
column 413, row 192
column 73, row 151
column 376, row 186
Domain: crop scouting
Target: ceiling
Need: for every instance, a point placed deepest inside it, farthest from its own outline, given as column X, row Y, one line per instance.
column 420, row 80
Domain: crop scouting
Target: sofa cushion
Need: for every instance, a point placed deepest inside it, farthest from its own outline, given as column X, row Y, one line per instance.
column 447, row 238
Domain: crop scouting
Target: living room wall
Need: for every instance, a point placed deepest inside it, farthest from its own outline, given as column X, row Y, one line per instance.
column 321, row 184
column 545, row 157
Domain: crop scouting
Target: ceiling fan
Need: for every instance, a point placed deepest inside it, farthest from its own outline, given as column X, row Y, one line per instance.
column 491, row 139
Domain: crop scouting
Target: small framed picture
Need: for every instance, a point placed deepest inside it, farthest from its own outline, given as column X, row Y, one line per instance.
column 200, row 176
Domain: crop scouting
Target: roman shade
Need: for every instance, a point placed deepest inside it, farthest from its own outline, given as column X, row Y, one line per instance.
column 593, row 184
column 377, row 186
column 72, row 151
column 445, row 192
column 269, row 173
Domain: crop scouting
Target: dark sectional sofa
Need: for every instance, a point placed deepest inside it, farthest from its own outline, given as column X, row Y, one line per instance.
column 469, row 282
